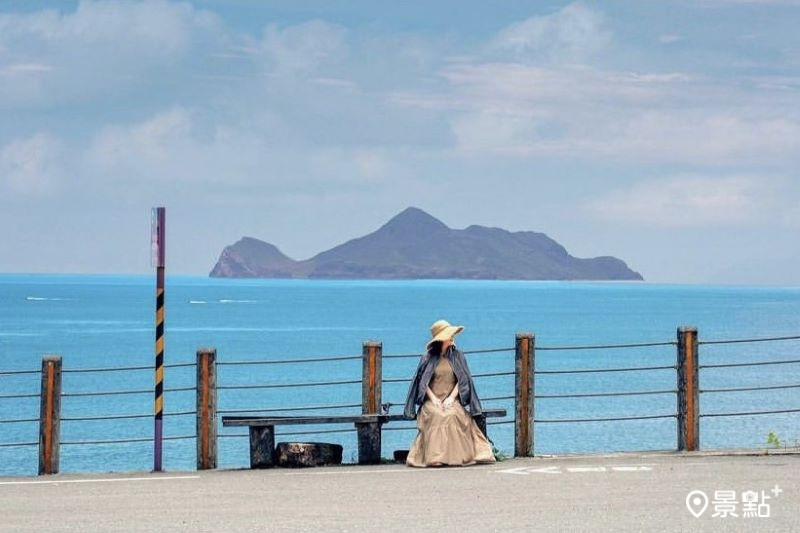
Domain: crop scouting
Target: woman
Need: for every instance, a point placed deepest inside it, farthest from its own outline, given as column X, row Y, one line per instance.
column 442, row 386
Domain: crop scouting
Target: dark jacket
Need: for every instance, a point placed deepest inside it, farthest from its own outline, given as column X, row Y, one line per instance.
column 422, row 378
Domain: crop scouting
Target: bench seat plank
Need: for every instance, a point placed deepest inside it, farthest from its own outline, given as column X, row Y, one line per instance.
column 333, row 419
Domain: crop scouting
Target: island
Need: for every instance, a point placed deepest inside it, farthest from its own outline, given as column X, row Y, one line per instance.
column 416, row 245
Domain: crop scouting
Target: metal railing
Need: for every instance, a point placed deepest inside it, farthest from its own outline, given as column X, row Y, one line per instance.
column 606, row 393
column 687, row 370
column 689, row 421
column 18, row 396
column 326, row 407
column 93, row 418
column 754, row 387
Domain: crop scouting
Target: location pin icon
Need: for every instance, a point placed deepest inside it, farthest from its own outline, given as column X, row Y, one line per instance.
column 697, row 501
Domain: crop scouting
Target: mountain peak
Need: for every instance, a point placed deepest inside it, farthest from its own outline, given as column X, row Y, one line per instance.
column 416, row 245
column 414, row 219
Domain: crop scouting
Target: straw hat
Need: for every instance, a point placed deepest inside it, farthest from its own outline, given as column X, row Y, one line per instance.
column 441, row 330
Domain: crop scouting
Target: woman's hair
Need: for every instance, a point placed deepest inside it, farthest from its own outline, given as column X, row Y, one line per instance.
column 435, row 348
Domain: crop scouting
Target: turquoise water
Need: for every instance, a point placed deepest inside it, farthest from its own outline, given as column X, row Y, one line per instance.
column 106, row 321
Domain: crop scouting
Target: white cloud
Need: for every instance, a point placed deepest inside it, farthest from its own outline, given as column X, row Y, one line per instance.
column 24, row 68
column 156, row 29
column 713, row 137
column 572, row 33
column 507, row 103
column 669, row 38
column 791, row 216
column 308, row 84
column 148, row 143
column 303, row 47
column 371, row 164
column 515, row 109
column 336, row 83
column 100, row 48
column 32, row 166
column 495, row 131
column 139, row 102
column 173, row 150
column 688, row 201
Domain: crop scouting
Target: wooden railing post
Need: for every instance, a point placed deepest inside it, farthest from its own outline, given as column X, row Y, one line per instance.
column 371, row 377
column 50, row 415
column 688, row 390
column 206, row 408
column 524, row 393
column 369, row 433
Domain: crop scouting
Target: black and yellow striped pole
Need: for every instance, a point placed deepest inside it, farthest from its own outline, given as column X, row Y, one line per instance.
column 158, row 257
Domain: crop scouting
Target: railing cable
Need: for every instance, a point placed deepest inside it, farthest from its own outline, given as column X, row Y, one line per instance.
column 606, row 346
column 602, row 394
column 286, row 385
column 289, row 361
column 562, row 420
column 121, row 416
column 18, row 372
column 123, row 392
column 18, row 396
column 16, row 444
column 18, row 420
column 757, row 363
column 760, row 339
column 279, row 409
column 592, row 370
column 124, row 441
column 121, row 368
column 748, row 413
column 740, row 389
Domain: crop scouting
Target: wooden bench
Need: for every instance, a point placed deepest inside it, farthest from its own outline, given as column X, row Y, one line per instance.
column 262, row 432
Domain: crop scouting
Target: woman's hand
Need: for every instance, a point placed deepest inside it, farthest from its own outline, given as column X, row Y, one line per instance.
column 451, row 398
column 433, row 398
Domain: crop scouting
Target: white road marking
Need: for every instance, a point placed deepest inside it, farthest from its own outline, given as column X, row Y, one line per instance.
column 546, row 470
column 100, row 480
column 524, row 471
column 586, row 469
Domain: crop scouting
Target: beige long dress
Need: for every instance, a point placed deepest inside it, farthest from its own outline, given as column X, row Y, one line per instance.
column 447, row 436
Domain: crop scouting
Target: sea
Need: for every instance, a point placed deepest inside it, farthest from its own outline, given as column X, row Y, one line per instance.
column 106, row 321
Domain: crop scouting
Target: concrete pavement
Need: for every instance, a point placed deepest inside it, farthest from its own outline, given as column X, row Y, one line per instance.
column 618, row 492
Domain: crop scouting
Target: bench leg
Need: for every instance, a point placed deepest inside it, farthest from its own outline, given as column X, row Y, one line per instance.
column 480, row 420
column 262, row 446
column 369, row 443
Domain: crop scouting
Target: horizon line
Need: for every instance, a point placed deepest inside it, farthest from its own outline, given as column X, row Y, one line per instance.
column 564, row 281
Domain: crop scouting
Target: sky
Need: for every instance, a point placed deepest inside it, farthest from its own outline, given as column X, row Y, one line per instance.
column 663, row 133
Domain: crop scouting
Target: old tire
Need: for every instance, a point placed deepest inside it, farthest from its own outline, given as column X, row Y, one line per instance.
column 304, row 454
